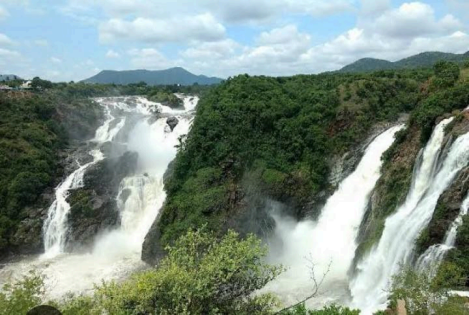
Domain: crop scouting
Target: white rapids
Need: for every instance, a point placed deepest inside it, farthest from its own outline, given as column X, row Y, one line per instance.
column 116, row 253
column 330, row 240
column 370, row 286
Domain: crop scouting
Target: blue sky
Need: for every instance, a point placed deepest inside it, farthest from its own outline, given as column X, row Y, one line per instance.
column 74, row 39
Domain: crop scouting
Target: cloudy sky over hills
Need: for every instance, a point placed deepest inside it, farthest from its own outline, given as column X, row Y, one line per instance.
column 74, row 39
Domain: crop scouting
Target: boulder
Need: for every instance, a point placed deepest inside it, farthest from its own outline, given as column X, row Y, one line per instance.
column 172, row 122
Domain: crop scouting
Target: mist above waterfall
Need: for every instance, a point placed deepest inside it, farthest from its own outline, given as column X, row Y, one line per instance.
column 328, row 243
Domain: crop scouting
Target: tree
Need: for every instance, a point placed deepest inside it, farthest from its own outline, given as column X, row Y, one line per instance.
column 446, row 73
column 39, row 84
column 21, row 296
column 424, row 294
column 201, row 275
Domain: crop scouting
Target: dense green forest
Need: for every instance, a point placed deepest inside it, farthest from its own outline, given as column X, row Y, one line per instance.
column 425, row 59
column 281, row 133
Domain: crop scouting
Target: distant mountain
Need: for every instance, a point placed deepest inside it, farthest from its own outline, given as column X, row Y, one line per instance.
column 158, row 77
column 426, row 59
column 9, row 77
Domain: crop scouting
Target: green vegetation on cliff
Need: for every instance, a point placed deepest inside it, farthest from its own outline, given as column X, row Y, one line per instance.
column 445, row 93
column 284, row 130
column 33, row 129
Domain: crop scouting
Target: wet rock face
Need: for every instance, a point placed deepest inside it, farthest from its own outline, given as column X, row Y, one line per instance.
column 94, row 206
column 172, row 122
column 446, row 211
column 152, row 249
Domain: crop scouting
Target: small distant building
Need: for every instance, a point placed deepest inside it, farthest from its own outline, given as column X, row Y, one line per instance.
column 5, row 88
column 26, row 85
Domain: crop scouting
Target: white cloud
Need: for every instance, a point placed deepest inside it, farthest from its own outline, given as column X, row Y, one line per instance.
column 276, row 52
column 372, row 8
column 391, row 34
column 414, row 19
column 149, row 58
column 235, row 11
column 5, row 40
column 212, row 50
column 3, row 13
column 112, row 54
column 9, row 56
column 56, row 60
column 202, row 27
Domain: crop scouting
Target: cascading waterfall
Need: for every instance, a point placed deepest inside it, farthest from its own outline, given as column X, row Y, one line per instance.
column 115, row 253
column 433, row 256
column 402, row 229
column 55, row 225
column 331, row 239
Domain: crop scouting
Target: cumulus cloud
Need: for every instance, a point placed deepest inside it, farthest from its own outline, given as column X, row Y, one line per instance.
column 112, row 54
column 5, row 40
column 202, row 27
column 212, row 50
column 276, row 52
column 56, row 60
column 414, row 19
column 267, row 36
column 392, row 34
column 149, row 58
column 237, row 11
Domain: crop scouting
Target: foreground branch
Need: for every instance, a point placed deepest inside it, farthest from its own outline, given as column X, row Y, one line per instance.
column 316, row 287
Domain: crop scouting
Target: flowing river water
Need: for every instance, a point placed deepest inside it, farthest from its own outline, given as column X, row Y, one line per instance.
column 116, row 252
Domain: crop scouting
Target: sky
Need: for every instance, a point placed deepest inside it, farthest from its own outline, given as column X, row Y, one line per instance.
column 64, row 40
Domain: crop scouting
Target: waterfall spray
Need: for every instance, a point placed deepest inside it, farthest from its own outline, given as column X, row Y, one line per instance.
column 330, row 240
column 115, row 253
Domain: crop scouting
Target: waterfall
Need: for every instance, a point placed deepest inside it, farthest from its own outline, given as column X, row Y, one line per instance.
column 433, row 256
column 115, row 253
column 331, row 238
column 55, row 225
column 401, row 229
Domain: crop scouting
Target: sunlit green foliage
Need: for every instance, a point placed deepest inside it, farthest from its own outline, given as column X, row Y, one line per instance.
column 285, row 129
column 446, row 73
column 424, row 295
column 202, row 274
column 328, row 310
column 19, row 297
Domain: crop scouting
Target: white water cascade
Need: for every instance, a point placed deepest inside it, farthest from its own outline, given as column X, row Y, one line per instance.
column 369, row 288
column 116, row 253
column 331, row 238
column 55, row 226
column 433, row 256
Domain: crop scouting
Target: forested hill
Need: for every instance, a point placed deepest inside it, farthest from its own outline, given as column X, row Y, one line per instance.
column 425, row 59
column 277, row 137
column 159, row 77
